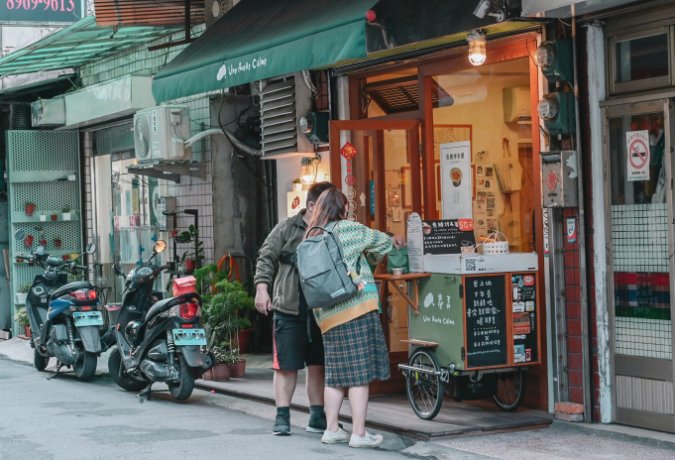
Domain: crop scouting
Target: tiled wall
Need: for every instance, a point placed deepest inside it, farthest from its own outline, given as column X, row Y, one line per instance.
column 191, row 192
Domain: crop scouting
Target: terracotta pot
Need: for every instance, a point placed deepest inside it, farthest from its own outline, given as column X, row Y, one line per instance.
column 189, row 265
column 207, row 375
column 26, row 330
column 244, row 337
column 57, row 243
column 43, row 242
column 29, row 209
column 238, row 369
column 55, row 217
column 28, row 241
column 221, row 372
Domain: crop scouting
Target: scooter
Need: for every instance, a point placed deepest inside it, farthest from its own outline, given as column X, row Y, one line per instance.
column 67, row 315
column 157, row 342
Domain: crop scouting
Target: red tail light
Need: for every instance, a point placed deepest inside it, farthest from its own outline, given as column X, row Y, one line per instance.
column 189, row 310
column 84, row 294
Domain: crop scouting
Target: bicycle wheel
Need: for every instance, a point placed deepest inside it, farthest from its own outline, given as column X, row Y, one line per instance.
column 424, row 389
column 510, row 390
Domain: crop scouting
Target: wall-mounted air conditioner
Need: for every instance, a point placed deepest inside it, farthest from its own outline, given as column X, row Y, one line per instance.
column 160, row 133
column 517, row 107
column 286, row 121
column 48, row 112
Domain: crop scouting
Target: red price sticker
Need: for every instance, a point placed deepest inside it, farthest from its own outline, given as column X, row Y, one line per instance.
column 465, row 225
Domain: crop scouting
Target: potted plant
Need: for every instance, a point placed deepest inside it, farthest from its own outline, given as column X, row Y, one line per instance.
column 65, row 213
column 191, row 259
column 224, row 358
column 54, row 217
column 22, row 293
column 42, row 241
column 57, row 242
column 296, row 185
column 226, row 309
column 29, row 209
column 21, row 318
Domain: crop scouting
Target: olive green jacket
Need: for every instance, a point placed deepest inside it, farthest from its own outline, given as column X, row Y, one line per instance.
column 278, row 273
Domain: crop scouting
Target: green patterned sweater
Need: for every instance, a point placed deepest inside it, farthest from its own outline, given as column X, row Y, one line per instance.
column 356, row 239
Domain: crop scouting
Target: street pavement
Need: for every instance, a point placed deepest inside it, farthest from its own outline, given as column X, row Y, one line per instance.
column 63, row 418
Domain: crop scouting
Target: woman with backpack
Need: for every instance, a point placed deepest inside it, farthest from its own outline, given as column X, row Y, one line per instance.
column 354, row 346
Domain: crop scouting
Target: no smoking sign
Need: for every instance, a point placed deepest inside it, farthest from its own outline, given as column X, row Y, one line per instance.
column 637, row 155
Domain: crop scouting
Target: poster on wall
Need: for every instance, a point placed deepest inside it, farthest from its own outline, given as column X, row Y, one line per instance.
column 447, row 236
column 414, row 238
column 295, row 202
column 456, row 181
column 637, row 155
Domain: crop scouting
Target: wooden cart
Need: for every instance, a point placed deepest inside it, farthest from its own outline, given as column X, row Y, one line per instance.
column 472, row 336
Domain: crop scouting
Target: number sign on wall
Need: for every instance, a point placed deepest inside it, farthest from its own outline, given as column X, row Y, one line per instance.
column 34, row 12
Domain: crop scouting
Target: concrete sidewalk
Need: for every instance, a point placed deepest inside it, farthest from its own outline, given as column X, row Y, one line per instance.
column 390, row 413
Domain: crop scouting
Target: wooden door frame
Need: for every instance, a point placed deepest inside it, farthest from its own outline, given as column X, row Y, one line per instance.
column 412, row 140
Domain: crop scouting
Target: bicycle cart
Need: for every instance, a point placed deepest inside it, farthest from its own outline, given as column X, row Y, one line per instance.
column 474, row 332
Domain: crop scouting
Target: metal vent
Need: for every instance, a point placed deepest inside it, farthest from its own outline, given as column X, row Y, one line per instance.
column 114, row 139
column 402, row 95
column 278, row 118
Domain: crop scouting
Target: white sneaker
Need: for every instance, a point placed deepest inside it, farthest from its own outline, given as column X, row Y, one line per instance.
column 368, row 440
column 332, row 437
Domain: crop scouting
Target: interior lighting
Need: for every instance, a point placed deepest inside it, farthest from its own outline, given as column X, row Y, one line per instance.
column 308, row 169
column 477, row 47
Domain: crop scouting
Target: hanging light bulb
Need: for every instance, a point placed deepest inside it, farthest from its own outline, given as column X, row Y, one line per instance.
column 477, row 47
column 307, row 170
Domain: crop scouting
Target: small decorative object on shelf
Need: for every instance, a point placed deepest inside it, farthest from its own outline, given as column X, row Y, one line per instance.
column 65, row 213
column 42, row 241
column 54, row 217
column 29, row 209
column 21, row 294
column 43, row 218
column 57, row 242
column 28, row 241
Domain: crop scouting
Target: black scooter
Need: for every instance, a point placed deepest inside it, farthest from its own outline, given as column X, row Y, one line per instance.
column 157, row 342
column 65, row 317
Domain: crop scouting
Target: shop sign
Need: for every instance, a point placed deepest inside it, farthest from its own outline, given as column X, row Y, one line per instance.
column 456, row 180
column 546, row 225
column 448, row 236
column 36, row 12
column 485, row 321
column 571, row 230
column 415, row 243
column 637, row 152
column 348, row 152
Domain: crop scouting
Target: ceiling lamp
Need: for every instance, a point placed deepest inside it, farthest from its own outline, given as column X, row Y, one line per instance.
column 477, row 47
column 308, row 169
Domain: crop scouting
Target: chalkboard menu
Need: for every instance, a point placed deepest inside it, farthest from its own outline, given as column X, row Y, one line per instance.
column 485, row 321
column 447, row 236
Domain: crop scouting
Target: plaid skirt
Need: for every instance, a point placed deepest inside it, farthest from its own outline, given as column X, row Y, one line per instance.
column 356, row 353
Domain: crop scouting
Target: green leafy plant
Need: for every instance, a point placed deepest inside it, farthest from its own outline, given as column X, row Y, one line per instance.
column 226, row 312
column 24, row 288
column 66, row 208
column 224, row 354
column 21, row 317
column 191, row 235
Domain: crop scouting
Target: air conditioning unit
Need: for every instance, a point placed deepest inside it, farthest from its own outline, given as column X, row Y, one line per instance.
column 48, row 112
column 516, row 102
column 286, row 120
column 160, row 133
column 215, row 9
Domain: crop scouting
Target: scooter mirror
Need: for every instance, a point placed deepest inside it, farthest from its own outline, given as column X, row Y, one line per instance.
column 117, row 270
column 90, row 249
column 40, row 250
column 160, row 246
column 20, row 235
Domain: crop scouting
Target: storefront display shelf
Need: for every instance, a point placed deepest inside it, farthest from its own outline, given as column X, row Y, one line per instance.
column 42, row 176
column 21, row 217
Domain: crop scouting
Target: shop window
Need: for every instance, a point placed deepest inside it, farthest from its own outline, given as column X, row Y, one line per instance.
column 640, row 61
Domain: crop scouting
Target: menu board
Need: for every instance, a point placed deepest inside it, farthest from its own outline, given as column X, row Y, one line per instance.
column 485, row 321
column 447, row 236
column 415, row 243
column 524, row 314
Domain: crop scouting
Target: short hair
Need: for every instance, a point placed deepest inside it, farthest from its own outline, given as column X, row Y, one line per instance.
column 317, row 189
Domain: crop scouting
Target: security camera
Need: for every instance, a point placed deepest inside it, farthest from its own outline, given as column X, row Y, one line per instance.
column 482, row 9
column 488, row 8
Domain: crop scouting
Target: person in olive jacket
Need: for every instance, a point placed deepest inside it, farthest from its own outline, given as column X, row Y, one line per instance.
column 296, row 336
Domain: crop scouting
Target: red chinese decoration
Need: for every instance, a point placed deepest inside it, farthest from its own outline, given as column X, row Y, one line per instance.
column 348, row 151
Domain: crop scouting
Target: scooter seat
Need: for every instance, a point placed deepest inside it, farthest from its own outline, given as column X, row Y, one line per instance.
column 70, row 287
column 158, row 307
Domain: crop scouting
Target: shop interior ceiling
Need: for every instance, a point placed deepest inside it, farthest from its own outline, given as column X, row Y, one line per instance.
column 120, row 13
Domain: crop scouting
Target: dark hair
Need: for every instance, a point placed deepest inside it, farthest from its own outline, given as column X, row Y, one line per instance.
column 317, row 189
column 330, row 207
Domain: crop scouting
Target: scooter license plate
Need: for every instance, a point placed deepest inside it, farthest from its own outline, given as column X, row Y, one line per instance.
column 189, row 337
column 88, row 318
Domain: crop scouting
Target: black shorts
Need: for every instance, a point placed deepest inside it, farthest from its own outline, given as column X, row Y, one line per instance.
column 293, row 349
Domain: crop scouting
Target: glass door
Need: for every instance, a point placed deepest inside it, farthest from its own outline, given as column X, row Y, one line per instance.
column 640, row 201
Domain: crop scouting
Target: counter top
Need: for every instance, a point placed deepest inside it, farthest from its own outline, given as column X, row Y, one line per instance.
column 461, row 264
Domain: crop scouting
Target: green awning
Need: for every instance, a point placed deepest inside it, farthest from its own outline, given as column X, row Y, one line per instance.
column 76, row 45
column 266, row 38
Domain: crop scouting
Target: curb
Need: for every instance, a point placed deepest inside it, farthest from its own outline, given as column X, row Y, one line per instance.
column 644, row 437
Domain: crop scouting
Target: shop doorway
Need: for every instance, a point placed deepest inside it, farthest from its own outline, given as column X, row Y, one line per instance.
column 641, row 285
column 375, row 168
